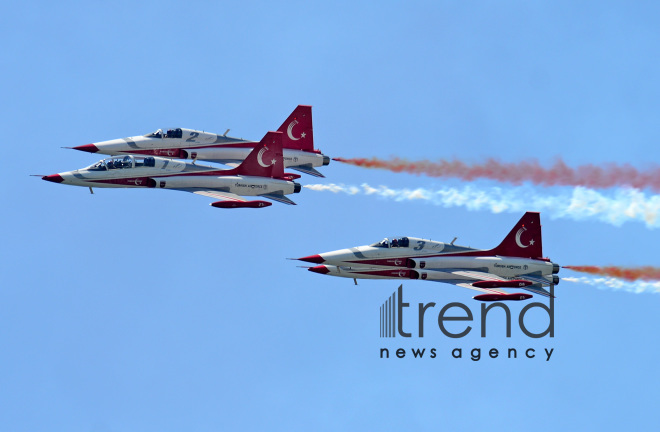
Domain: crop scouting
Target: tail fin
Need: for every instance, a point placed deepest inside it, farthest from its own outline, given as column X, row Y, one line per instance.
column 524, row 240
column 265, row 160
column 297, row 129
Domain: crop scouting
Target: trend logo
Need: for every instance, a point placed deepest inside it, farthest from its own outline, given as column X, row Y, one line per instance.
column 395, row 313
column 388, row 317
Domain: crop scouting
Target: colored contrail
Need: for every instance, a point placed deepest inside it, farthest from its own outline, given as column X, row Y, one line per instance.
column 616, row 208
column 636, row 287
column 625, row 273
column 557, row 174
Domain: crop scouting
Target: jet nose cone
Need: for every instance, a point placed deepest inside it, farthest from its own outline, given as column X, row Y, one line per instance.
column 55, row 178
column 319, row 269
column 316, row 259
column 89, row 148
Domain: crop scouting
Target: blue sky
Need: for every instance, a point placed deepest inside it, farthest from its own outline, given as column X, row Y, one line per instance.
column 150, row 310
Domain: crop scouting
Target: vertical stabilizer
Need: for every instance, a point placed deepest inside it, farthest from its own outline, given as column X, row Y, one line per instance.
column 265, row 160
column 297, row 129
column 524, row 240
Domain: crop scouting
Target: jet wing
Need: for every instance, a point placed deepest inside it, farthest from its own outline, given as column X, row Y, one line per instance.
column 232, row 197
column 222, row 196
column 470, row 286
column 477, row 276
column 307, row 169
column 483, row 276
column 228, row 199
column 538, row 290
column 229, row 162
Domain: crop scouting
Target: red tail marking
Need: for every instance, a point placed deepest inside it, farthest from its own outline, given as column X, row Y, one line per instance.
column 524, row 240
column 265, row 160
column 297, row 129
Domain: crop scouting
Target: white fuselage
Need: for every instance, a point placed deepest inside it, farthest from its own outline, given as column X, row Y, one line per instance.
column 202, row 146
column 170, row 174
column 425, row 259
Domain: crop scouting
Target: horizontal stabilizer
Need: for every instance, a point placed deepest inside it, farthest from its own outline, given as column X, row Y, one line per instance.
column 540, row 291
column 279, row 197
column 307, row 169
column 536, row 279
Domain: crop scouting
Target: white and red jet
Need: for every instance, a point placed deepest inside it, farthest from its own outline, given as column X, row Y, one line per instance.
column 516, row 263
column 260, row 175
column 180, row 143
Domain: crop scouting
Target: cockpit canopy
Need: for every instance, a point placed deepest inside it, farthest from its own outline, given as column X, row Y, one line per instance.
column 171, row 133
column 174, row 133
column 157, row 134
column 123, row 162
column 395, row 242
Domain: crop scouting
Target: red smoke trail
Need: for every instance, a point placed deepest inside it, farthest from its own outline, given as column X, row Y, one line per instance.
column 627, row 273
column 557, row 174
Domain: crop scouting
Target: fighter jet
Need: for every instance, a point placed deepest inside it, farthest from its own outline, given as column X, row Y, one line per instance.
column 516, row 263
column 180, row 143
column 261, row 175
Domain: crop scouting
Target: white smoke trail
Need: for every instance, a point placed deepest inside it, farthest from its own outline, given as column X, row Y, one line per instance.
column 636, row 287
column 580, row 203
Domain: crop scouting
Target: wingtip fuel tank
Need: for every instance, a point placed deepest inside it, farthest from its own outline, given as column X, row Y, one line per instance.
column 502, row 297
column 240, row 204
